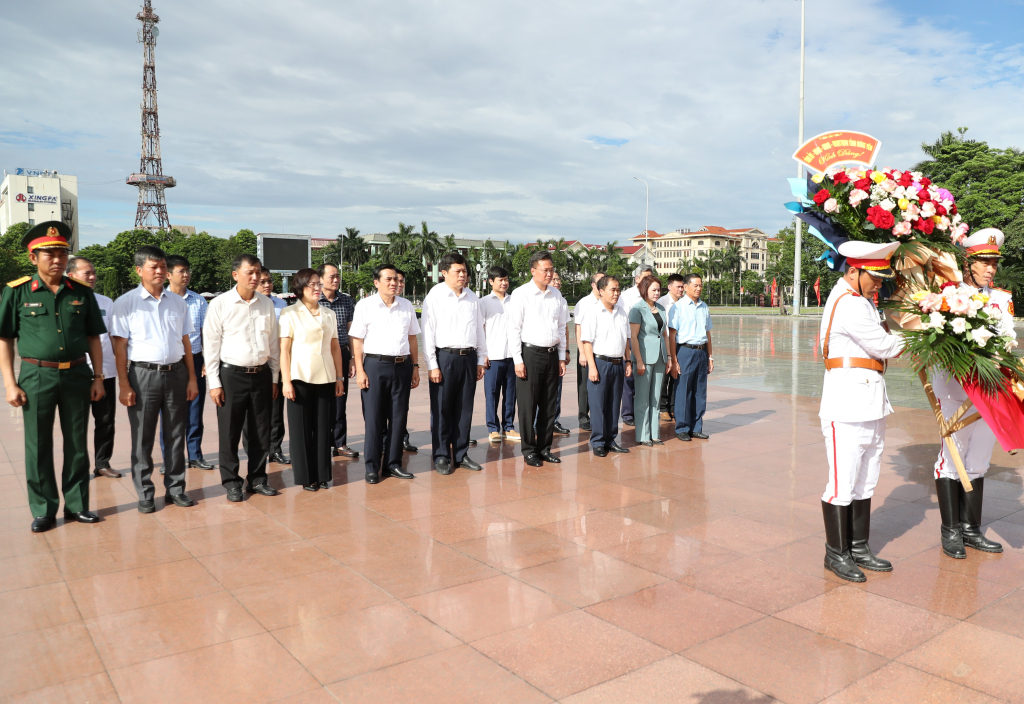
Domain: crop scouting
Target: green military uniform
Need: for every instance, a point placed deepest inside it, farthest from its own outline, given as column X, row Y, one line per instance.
column 53, row 328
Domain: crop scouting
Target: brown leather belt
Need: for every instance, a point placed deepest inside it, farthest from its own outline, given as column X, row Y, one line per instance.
column 53, row 365
column 847, row 362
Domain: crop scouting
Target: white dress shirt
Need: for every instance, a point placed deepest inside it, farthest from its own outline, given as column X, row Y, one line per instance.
column 384, row 329
column 153, row 326
column 242, row 333
column 666, row 301
column 452, row 320
column 537, row 318
column 494, row 311
column 607, row 330
column 629, row 298
column 107, row 311
column 852, row 395
column 311, row 335
column 585, row 303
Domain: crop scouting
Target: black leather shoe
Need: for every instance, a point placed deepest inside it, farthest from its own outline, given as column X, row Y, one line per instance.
column 699, row 436
column 628, row 423
column 344, row 451
column 408, row 447
column 443, row 466
column 533, row 461
column 200, row 464
column 263, row 489
column 182, row 500
column 279, row 458
column 43, row 524
column 559, row 430
column 161, row 470
column 372, row 478
column 472, row 443
column 147, row 506
column 970, row 517
column 311, row 487
column 467, row 463
column 949, row 510
column 616, row 448
column 860, row 531
column 600, row 452
column 683, row 437
column 106, row 472
column 397, row 471
column 235, row 495
column 325, row 485
column 837, row 547
column 548, row 457
column 585, row 426
column 82, row 517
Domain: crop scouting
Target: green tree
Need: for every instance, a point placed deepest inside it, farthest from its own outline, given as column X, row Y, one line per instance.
column 354, row 248
column 400, row 242
column 14, row 261
column 242, row 242
column 203, row 252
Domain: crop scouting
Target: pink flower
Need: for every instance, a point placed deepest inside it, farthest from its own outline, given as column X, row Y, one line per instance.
column 959, row 305
column 931, row 302
column 831, row 205
column 912, row 212
column 927, row 209
column 902, row 228
column 856, row 196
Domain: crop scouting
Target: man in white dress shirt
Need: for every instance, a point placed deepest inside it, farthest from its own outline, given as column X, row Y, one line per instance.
column 578, row 314
column 384, row 347
column 961, row 510
column 266, row 287
column 854, row 405
column 104, row 411
column 456, row 352
column 149, row 331
column 536, row 333
column 500, row 375
column 674, row 286
column 605, row 341
column 242, row 367
column 629, row 298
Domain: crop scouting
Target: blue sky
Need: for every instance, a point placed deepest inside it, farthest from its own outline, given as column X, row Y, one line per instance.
column 510, row 119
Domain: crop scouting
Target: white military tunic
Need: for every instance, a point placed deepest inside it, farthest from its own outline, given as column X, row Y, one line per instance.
column 975, row 442
column 853, row 401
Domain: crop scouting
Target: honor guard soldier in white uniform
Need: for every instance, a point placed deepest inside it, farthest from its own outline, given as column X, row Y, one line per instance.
column 854, row 405
column 961, row 510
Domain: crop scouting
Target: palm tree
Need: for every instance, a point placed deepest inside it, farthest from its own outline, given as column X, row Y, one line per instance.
column 731, row 262
column 400, row 243
column 427, row 245
column 354, row 249
column 449, row 244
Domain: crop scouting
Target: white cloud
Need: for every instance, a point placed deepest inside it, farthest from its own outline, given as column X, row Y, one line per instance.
column 497, row 118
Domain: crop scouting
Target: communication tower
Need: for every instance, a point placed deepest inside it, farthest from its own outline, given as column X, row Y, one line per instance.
column 151, row 182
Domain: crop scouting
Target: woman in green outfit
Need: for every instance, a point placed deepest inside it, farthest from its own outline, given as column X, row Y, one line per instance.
column 648, row 325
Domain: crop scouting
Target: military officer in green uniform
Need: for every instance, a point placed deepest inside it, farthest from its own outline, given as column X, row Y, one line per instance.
column 56, row 322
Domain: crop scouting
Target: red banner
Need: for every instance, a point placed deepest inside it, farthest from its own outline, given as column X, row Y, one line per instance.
column 1003, row 412
column 841, row 147
column 817, row 289
column 775, row 288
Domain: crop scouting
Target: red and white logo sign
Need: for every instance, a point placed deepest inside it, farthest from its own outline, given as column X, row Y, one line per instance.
column 20, row 198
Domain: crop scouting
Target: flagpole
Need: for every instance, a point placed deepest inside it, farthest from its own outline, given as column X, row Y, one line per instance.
column 799, row 169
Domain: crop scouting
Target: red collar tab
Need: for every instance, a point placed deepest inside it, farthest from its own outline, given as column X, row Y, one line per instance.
column 35, row 284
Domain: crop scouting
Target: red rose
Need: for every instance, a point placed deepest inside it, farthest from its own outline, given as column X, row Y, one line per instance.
column 881, row 218
column 840, row 177
column 940, row 210
column 863, row 184
column 822, row 196
column 923, row 195
column 953, row 209
column 925, row 225
column 926, row 182
column 947, row 285
column 906, row 179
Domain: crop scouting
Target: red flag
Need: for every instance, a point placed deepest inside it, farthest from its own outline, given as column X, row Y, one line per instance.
column 775, row 288
column 1003, row 412
column 817, row 289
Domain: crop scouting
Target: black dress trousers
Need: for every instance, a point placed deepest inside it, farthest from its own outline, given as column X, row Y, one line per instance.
column 339, row 420
column 582, row 396
column 247, row 400
column 451, row 405
column 537, row 395
column 104, row 414
column 387, row 398
column 309, row 417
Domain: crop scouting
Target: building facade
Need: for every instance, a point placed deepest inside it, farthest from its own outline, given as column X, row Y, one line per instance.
column 34, row 196
column 671, row 248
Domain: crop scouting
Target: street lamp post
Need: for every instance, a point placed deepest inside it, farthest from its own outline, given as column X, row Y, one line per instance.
column 647, row 214
column 798, row 229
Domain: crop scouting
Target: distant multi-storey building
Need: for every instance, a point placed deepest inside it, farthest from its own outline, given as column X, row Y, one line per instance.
column 670, row 248
column 34, row 196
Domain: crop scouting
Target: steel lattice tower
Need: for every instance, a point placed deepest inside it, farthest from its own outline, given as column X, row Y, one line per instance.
column 151, row 182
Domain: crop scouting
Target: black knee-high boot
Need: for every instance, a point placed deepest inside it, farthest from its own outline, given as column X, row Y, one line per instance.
column 970, row 517
column 949, row 510
column 860, row 531
column 837, row 543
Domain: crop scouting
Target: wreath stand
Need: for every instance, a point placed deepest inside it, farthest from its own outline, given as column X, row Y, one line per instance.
column 948, row 427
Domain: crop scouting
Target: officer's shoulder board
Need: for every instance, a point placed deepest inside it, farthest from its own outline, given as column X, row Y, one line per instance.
column 19, row 282
column 78, row 281
column 1003, row 290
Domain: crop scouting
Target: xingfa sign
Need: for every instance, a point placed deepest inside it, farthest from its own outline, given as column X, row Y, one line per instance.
column 36, row 198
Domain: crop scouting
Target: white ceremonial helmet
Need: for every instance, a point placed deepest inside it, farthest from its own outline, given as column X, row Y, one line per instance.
column 871, row 257
column 985, row 243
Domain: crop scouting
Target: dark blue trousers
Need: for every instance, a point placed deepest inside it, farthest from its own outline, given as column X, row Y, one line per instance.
column 386, row 399
column 605, row 397
column 692, row 391
column 451, row 405
column 500, row 378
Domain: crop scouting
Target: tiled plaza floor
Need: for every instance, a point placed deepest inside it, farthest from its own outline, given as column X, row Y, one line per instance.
column 690, row 572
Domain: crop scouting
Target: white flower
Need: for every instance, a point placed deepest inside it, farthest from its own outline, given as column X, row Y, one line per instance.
column 959, row 325
column 928, row 209
column 935, row 321
column 981, row 336
column 902, row 228
column 911, row 213
column 831, row 205
column 993, row 312
column 857, row 195
column 899, row 192
column 887, row 204
column 888, row 185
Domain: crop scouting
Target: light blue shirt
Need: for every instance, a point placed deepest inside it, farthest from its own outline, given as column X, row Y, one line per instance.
column 690, row 320
column 197, row 312
column 279, row 305
column 154, row 327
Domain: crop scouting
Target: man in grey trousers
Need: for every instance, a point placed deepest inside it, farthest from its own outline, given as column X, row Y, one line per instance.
column 149, row 330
